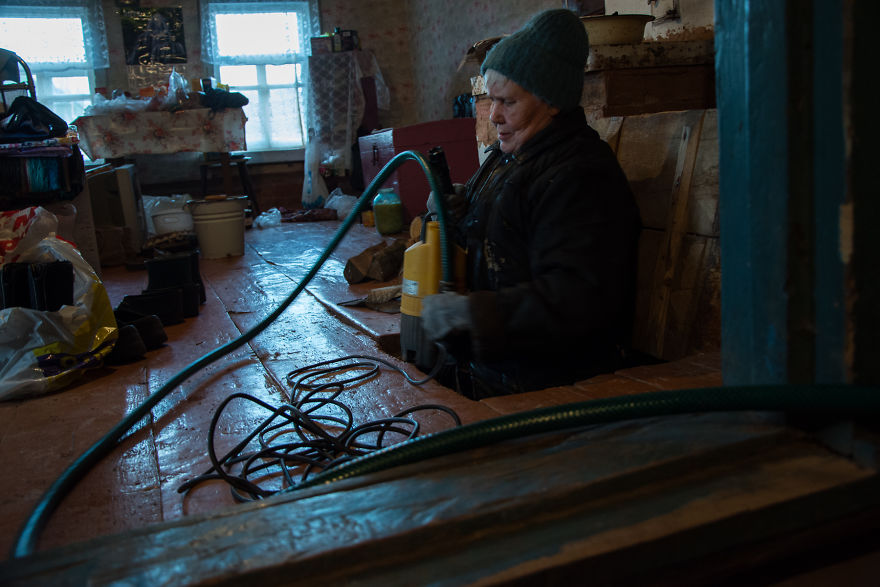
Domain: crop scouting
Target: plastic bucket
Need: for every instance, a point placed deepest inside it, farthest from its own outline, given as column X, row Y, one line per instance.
column 172, row 220
column 219, row 226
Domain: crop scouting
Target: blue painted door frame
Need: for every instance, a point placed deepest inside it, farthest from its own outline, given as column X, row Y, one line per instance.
column 786, row 191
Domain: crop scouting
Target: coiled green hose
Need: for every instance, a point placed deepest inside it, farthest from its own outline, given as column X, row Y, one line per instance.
column 49, row 502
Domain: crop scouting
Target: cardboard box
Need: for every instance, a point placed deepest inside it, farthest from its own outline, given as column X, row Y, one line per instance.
column 116, row 202
column 321, row 45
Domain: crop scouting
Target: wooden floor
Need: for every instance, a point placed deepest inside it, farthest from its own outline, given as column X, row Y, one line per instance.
column 137, row 484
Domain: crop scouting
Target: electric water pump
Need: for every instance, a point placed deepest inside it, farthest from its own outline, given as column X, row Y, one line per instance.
column 422, row 275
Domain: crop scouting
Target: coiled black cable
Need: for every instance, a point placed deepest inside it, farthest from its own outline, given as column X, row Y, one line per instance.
column 312, row 433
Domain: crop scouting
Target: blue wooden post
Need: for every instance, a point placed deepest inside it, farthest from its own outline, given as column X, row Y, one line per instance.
column 799, row 292
column 752, row 97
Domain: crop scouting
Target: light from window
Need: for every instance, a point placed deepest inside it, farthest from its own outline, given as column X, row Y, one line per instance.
column 44, row 40
column 258, row 34
column 47, row 45
column 252, row 49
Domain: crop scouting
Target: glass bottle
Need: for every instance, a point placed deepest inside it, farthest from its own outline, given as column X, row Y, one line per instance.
column 388, row 212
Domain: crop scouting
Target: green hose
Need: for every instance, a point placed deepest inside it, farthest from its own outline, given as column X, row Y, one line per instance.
column 821, row 400
column 27, row 538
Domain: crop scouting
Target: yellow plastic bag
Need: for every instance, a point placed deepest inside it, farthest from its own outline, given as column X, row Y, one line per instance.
column 44, row 351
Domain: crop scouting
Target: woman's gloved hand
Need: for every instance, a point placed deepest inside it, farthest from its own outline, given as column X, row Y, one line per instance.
column 444, row 313
column 456, row 205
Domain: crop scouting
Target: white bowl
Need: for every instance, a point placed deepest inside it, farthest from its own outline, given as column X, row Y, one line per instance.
column 616, row 29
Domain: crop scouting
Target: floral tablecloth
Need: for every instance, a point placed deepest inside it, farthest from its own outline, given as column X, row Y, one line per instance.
column 151, row 133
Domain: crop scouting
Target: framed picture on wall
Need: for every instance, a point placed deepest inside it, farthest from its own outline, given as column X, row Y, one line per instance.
column 153, row 35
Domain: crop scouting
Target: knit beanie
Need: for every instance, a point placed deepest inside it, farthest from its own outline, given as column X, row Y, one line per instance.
column 546, row 57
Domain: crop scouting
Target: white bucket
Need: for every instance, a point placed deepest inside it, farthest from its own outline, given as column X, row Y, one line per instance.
column 172, row 220
column 219, row 226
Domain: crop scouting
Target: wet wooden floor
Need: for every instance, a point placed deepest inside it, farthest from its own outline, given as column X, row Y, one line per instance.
column 137, row 484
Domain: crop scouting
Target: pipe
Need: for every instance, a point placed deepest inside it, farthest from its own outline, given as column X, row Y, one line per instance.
column 28, row 536
column 820, row 400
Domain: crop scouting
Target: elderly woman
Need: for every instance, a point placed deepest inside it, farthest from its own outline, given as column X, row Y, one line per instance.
column 550, row 227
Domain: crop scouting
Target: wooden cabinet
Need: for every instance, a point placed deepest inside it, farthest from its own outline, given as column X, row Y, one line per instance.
column 457, row 136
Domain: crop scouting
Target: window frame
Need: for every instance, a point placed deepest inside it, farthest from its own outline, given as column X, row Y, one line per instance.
column 299, row 61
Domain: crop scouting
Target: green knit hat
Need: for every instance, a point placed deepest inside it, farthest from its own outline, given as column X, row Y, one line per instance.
column 546, row 57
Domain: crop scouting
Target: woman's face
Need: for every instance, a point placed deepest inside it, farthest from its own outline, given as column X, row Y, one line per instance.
column 516, row 113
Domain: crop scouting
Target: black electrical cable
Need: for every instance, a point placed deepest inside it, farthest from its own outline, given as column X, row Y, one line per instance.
column 311, row 434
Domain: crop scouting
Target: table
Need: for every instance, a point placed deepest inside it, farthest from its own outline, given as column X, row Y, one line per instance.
column 109, row 136
column 121, row 134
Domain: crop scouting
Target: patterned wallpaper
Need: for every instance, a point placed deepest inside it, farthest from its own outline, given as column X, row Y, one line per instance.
column 420, row 43
column 442, row 34
column 383, row 28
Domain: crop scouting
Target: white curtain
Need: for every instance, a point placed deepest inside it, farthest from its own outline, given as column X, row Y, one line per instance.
column 42, row 53
column 294, row 51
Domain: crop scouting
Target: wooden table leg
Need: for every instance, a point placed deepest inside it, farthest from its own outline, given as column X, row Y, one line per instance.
column 226, row 170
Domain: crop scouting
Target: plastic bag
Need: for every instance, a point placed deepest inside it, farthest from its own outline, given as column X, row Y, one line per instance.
column 155, row 204
column 119, row 104
column 341, row 203
column 22, row 229
column 178, row 91
column 270, row 218
column 314, row 192
column 45, row 351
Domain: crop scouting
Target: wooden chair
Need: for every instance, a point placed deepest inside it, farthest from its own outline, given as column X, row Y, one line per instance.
column 11, row 69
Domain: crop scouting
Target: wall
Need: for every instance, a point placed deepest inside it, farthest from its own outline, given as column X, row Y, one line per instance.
column 383, row 28
column 442, row 32
column 420, row 43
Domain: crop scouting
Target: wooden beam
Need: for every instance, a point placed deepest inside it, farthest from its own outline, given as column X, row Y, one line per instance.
column 623, row 501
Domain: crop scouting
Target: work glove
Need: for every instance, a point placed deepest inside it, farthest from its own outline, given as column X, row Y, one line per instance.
column 444, row 313
column 456, row 204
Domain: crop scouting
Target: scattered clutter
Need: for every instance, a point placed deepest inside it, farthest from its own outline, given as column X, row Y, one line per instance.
column 172, row 212
column 312, row 433
column 174, row 292
column 272, row 217
column 56, row 322
column 380, row 262
column 340, row 202
column 340, row 40
column 382, row 299
column 310, row 215
column 173, row 95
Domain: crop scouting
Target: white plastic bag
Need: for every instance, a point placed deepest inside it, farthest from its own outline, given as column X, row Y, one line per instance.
column 272, row 217
column 43, row 351
column 340, row 202
column 314, row 192
column 155, row 204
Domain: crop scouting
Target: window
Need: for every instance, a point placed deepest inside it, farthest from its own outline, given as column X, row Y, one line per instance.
column 62, row 41
column 260, row 50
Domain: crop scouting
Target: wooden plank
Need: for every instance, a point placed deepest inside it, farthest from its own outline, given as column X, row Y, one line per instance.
column 664, row 492
column 668, row 256
column 645, row 90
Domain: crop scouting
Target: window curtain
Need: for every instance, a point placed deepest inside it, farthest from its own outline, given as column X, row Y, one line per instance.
column 308, row 27
column 89, row 12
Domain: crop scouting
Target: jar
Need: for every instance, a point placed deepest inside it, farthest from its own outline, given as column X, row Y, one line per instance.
column 388, row 212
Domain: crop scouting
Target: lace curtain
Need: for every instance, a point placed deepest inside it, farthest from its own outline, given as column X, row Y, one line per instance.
column 89, row 12
column 294, row 51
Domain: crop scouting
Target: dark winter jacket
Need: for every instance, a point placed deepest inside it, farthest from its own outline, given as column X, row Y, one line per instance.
column 551, row 233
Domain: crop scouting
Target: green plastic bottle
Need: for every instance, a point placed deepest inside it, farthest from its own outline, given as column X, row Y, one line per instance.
column 388, row 212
